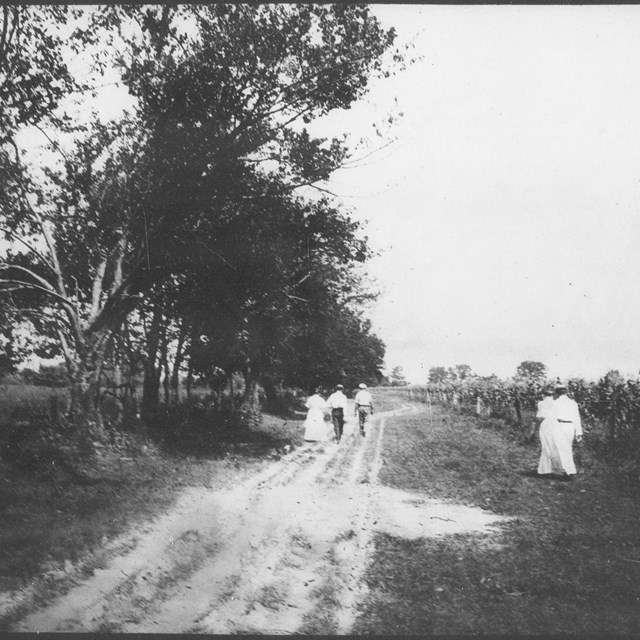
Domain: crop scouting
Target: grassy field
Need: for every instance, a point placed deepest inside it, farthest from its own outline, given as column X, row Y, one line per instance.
column 19, row 400
column 568, row 562
column 388, row 399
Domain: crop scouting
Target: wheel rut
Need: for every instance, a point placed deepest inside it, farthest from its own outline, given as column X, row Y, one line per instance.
column 282, row 553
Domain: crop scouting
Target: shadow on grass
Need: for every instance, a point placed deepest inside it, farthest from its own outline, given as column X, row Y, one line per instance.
column 568, row 561
column 205, row 434
column 51, row 514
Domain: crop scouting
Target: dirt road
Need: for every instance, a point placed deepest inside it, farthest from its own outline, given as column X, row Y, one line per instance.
column 284, row 552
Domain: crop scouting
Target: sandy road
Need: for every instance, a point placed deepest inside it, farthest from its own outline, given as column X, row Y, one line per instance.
column 284, row 552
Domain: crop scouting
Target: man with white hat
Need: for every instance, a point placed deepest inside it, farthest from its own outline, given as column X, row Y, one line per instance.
column 337, row 402
column 363, row 406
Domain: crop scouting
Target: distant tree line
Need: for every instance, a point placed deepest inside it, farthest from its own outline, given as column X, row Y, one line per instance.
column 192, row 237
column 527, row 370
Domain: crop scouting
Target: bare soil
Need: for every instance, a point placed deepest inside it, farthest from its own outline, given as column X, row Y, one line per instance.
column 285, row 551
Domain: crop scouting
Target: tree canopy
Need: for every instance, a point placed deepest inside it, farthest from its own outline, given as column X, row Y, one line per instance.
column 456, row 373
column 397, row 377
column 191, row 215
column 531, row 371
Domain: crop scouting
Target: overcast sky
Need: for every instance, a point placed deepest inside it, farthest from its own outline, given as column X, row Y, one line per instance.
column 508, row 209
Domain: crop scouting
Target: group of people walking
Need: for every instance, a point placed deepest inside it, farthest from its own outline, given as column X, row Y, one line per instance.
column 315, row 427
column 558, row 417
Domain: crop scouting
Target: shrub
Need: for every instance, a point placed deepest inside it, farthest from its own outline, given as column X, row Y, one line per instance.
column 47, row 376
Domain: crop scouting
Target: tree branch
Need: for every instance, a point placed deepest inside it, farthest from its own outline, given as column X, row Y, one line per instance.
column 53, row 143
column 215, row 253
column 17, row 238
column 46, row 284
column 289, row 295
column 96, row 289
column 117, row 271
column 30, row 285
column 52, row 250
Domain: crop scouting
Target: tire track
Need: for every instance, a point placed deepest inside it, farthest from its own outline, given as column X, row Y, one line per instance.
column 272, row 555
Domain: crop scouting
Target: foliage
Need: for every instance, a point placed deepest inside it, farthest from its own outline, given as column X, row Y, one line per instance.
column 46, row 376
column 610, row 407
column 33, row 76
column 460, row 372
column 34, row 79
column 285, row 306
column 185, row 217
column 438, row 374
column 531, row 370
column 396, row 377
column 457, row 373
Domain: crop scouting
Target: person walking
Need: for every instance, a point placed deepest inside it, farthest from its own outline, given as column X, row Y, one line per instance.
column 363, row 406
column 544, row 422
column 560, row 427
column 315, row 429
column 337, row 402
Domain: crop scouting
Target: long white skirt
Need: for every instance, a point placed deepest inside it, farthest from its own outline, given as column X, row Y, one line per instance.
column 315, row 428
column 556, row 439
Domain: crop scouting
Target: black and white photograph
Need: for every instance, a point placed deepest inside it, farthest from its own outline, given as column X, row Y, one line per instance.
column 320, row 319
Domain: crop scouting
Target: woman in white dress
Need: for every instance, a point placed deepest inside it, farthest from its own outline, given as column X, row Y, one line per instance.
column 560, row 426
column 315, row 428
column 544, row 414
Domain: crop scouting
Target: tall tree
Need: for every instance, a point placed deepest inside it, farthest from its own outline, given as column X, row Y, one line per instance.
column 223, row 92
column 276, row 290
column 531, row 371
column 460, row 372
column 397, row 378
column 438, row 374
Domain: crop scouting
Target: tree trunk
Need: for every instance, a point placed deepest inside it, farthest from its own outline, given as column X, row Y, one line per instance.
column 84, row 367
column 130, row 400
column 166, row 384
column 117, row 388
column 189, row 381
column 232, row 399
column 250, row 401
column 250, row 406
column 117, row 373
column 150, row 391
column 164, row 366
column 151, row 382
column 272, row 395
column 130, row 360
column 177, row 363
column 192, row 340
column 84, row 405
